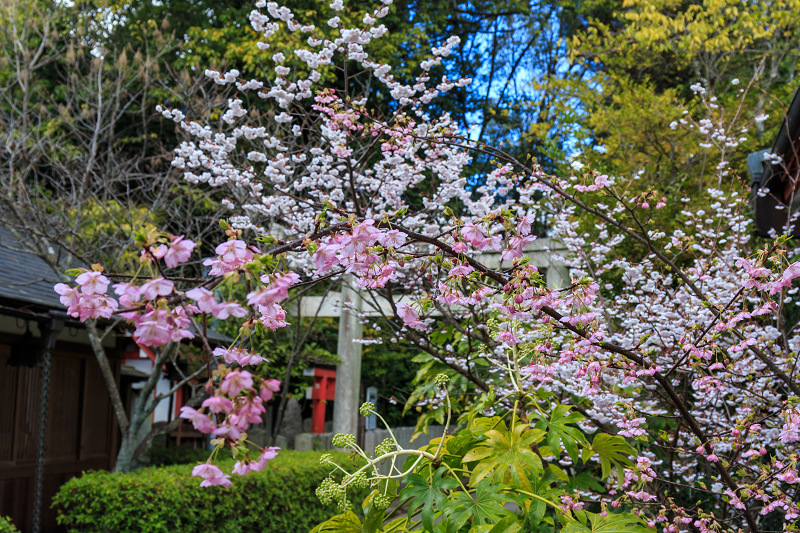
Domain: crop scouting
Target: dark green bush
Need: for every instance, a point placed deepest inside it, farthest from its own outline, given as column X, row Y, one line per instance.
column 6, row 526
column 167, row 499
column 177, row 455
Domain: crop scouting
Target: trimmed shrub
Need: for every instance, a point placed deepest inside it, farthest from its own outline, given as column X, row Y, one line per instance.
column 281, row 498
column 178, row 455
column 6, row 526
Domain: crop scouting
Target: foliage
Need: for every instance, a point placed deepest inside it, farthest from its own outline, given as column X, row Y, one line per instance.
column 392, row 371
column 657, row 386
column 466, row 480
column 160, row 455
column 6, row 526
column 280, row 498
column 647, row 57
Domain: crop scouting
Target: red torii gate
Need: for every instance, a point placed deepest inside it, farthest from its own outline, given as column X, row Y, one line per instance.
column 322, row 392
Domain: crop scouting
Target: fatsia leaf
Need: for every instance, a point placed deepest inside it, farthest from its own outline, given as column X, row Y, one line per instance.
column 422, row 494
column 373, row 517
column 343, row 523
column 610, row 523
column 509, row 524
column 507, row 455
column 561, row 433
column 611, row 450
column 398, row 525
column 542, row 487
column 484, row 507
column 575, row 527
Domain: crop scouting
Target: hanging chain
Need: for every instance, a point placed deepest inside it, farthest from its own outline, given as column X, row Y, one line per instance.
column 39, row 480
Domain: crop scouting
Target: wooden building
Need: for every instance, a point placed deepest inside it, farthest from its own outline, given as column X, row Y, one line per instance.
column 775, row 177
column 80, row 429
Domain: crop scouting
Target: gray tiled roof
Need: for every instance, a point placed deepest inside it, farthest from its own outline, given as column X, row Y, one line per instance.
column 28, row 279
column 25, row 277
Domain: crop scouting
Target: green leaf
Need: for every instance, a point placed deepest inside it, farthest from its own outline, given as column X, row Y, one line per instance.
column 397, row 525
column 559, row 432
column 373, row 516
column 485, row 506
column 575, row 527
column 343, row 523
column 584, row 481
column 542, row 487
column 509, row 524
column 612, row 450
column 507, row 455
column 422, row 494
column 610, row 523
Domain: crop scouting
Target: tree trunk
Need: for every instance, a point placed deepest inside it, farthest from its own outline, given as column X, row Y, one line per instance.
column 108, row 375
column 124, row 462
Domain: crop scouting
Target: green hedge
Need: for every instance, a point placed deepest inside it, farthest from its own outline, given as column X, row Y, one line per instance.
column 6, row 526
column 281, row 498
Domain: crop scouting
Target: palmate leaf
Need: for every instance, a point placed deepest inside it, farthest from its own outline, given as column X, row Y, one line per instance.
column 507, row 455
column 343, row 523
column 559, row 432
column 422, row 494
column 398, row 525
column 543, row 487
column 611, row 523
column 612, row 450
column 484, row 507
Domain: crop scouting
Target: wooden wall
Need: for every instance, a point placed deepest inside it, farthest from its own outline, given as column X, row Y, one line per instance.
column 81, row 430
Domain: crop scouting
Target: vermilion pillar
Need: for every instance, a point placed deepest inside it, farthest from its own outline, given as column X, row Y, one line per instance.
column 324, row 391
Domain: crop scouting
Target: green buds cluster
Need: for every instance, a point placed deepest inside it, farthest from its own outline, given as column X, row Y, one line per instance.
column 343, row 440
column 381, row 501
column 387, row 446
column 326, row 459
column 330, row 491
column 441, row 379
column 366, row 409
column 359, row 481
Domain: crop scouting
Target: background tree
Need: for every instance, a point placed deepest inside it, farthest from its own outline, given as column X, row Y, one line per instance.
column 83, row 165
column 644, row 61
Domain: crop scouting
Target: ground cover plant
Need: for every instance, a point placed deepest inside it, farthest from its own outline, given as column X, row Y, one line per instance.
column 658, row 389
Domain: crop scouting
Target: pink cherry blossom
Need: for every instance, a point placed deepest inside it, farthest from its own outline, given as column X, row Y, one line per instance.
column 239, row 356
column 92, row 283
column 93, row 306
column 204, row 299
column 790, row 476
column 235, row 382
column 217, row 404
column 242, row 468
column 179, row 251
column 276, row 290
column 272, row 316
column 233, row 251
column 392, row 239
column 201, row 423
column 129, row 294
column 157, row 287
column 69, row 296
column 460, row 270
column 225, row 310
column 269, row 388
column 410, row 317
column 473, row 235
column 211, row 475
column 524, row 225
column 267, row 455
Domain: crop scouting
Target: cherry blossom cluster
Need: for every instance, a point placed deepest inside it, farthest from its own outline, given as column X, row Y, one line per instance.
column 688, row 330
column 226, row 415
